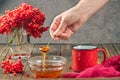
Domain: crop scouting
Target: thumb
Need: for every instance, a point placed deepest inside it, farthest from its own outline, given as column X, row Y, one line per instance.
column 60, row 29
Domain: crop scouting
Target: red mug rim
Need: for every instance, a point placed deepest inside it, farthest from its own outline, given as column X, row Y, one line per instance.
column 84, row 47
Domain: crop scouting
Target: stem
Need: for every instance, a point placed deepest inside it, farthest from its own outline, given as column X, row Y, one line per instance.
column 20, row 37
column 12, row 38
column 9, row 42
column 6, row 50
column 3, row 51
column 6, row 54
column 16, row 33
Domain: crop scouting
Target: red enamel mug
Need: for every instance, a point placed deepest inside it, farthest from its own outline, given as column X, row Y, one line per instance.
column 85, row 56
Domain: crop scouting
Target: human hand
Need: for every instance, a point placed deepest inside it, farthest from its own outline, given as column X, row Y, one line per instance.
column 67, row 23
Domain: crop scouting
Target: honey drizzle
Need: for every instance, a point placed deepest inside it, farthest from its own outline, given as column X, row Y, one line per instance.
column 43, row 61
column 44, row 51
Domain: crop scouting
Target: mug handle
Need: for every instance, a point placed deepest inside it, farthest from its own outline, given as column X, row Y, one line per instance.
column 104, row 52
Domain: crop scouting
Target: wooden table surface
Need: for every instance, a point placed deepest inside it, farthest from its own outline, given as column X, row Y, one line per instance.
column 65, row 51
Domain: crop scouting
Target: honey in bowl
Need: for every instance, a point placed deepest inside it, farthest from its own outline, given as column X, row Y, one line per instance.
column 47, row 73
column 53, row 66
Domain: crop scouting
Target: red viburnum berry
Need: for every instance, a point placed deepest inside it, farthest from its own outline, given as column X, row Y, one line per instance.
column 15, row 54
column 24, row 16
column 15, row 74
column 9, row 57
column 27, row 75
column 9, row 66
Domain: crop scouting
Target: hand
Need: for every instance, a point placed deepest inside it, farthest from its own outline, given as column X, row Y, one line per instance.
column 67, row 23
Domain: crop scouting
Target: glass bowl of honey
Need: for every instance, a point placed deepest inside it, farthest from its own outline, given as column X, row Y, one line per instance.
column 52, row 68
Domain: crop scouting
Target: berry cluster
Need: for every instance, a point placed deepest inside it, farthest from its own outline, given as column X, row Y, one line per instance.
column 14, row 67
column 26, row 17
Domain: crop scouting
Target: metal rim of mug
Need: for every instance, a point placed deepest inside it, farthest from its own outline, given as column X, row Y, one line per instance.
column 84, row 47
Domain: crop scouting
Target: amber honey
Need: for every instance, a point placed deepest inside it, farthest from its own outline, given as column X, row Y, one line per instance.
column 44, row 50
column 46, row 69
column 47, row 73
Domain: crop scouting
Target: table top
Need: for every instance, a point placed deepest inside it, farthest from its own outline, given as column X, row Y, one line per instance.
column 64, row 50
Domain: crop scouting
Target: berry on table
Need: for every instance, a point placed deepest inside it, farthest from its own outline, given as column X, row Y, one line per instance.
column 27, row 75
column 11, row 66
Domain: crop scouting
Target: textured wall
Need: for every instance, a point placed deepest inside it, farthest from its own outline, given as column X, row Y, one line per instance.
column 103, row 27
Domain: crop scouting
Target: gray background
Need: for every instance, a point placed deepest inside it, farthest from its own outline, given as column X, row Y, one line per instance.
column 103, row 27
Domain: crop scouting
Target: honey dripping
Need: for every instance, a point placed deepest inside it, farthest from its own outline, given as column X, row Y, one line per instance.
column 44, row 50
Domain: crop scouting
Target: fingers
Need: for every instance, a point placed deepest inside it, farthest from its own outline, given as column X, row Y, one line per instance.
column 65, row 35
column 54, row 26
column 57, row 27
column 61, row 28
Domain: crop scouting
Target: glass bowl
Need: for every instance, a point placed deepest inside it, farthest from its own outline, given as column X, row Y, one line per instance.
column 53, row 66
